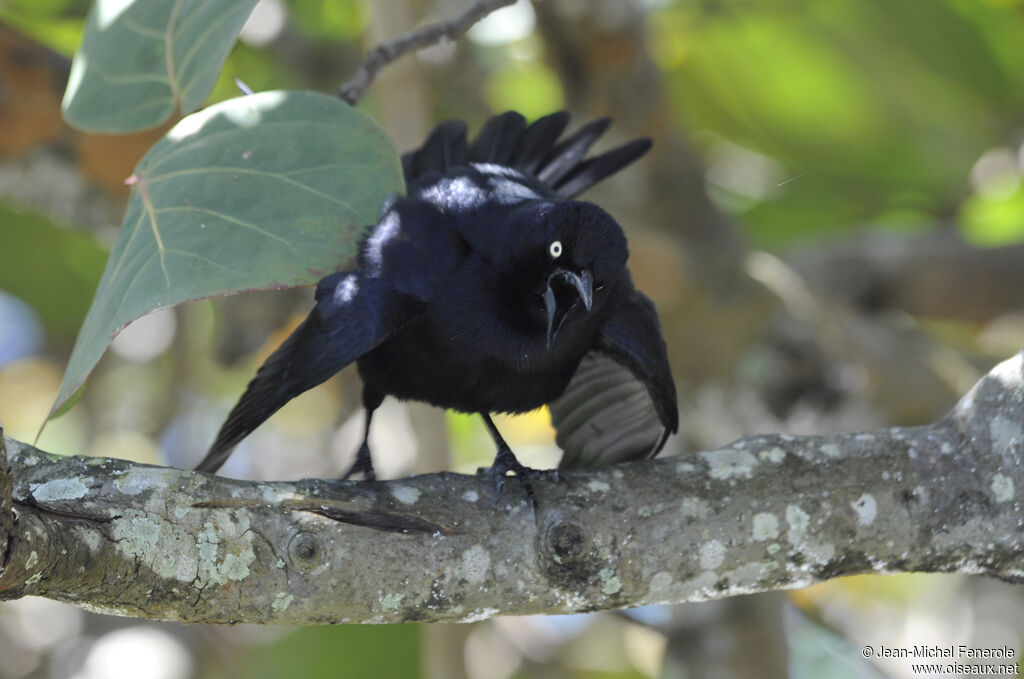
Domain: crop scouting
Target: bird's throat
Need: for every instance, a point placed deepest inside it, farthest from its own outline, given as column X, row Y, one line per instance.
column 565, row 292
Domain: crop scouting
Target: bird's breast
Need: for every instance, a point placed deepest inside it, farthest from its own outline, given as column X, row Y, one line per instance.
column 426, row 363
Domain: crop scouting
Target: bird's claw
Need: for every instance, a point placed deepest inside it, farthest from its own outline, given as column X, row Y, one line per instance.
column 363, row 464
column 505, row 461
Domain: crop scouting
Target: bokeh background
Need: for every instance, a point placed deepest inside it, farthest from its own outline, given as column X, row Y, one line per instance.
column 831, row 224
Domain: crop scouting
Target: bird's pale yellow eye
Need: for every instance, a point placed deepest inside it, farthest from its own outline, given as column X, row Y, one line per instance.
column 555, row 249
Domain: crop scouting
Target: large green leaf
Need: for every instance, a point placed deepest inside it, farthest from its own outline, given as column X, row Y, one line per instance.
column 266, row 191
column 141, row 59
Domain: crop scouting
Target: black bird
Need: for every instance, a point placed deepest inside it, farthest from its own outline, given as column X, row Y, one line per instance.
column 487, row 288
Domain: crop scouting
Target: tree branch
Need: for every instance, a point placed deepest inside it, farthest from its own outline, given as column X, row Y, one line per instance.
column 764, row 513
column 936, row 274
column 386, row 52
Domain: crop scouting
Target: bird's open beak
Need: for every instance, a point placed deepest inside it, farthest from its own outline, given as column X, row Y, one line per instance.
column 584, row 284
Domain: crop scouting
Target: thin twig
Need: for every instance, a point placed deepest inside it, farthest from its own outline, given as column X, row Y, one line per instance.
column 386, row 52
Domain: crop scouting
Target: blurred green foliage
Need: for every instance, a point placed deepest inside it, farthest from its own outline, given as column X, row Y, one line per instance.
column 259, row 69
column 530, row 88
column 59, row 289
column 873, row 112
column 330, row 19
column 870, row 107
column 56, row 23
column 346, row 652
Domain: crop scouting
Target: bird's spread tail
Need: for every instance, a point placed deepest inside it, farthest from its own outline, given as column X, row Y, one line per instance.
column 532, row 149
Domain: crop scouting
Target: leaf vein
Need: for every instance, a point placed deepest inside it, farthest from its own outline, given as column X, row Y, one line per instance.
column 127, row 79
column 214, row 136
column 233, row 220
column 169, row 52
column 211, row 28
column 118, row 314
column 256, row 173
column 144, row 31
column 134, row 229
column 209, row 261
column 148, row 205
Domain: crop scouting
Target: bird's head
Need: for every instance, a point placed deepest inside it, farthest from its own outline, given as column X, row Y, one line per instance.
column 562, row 260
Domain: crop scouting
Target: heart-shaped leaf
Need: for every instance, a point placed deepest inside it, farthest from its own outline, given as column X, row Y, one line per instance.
column 140, row 59
column 265, row 191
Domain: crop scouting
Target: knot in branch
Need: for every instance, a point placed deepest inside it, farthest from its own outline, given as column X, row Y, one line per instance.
column 306, row 551
column 567, row 554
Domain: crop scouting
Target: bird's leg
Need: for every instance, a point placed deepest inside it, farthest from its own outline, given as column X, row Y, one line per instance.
column 505, row 461
column 364, row 462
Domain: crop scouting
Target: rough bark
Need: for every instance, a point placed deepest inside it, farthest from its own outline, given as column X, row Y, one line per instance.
column 764, row 513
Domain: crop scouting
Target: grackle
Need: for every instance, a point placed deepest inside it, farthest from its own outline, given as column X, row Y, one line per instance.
column 488, row 288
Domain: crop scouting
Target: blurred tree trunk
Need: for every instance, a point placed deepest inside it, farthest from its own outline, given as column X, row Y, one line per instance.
column 726, row 639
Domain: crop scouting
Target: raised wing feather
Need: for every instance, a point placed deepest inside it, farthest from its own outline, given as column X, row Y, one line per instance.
column 621, row 403
column 444, row 149
column 605, row 415
column 353, row 315
column 534, row 150
column 496, row 142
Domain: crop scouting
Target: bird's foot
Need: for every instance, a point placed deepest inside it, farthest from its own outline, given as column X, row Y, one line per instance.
column 505, row 462
column 363, row 465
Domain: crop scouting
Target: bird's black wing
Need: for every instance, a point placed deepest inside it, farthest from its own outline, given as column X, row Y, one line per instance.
column 621, row 403
column 353, row 315
column 444, row 149
column 533, row 150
